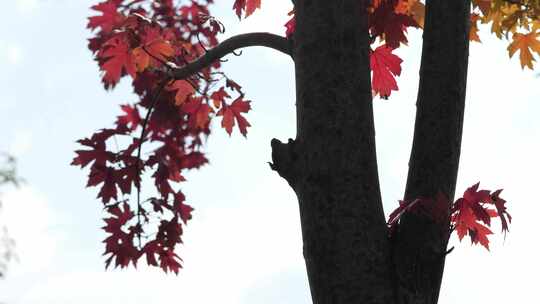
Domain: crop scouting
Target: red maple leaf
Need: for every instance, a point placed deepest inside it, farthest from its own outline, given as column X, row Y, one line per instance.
column 239, row 6
column 388, row 25
column 249, row 6
column 232, row 113
column 117, row 59
column 119, row 244
column 169, row 232
column 199, row 112
column 466, row 223
column 180, row 208
column 395, row 216
column 471, row 214
column 290, row 25
column 131, row 119
column 150, row 249
column 385, row 66
column 501, row 210
column 193, row 160
column 98, row 155
column 464, row 220
column 218, row 97
column 169, row 261
column 166, row 172
column 107, row 176
column 436, row 209
column 109, row 16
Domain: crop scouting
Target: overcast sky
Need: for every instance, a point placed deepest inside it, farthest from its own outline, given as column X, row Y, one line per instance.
column 243, row 244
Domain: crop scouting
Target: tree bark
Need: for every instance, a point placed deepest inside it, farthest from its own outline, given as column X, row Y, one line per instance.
column 420, row 243
column 331, row 165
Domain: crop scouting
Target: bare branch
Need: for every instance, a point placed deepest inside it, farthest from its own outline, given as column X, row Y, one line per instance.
column 229, row 46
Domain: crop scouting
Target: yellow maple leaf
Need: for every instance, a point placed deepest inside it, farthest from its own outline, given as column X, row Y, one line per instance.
column 418, row 10
column 525, row 43
column 504, row 17
column 413, row 8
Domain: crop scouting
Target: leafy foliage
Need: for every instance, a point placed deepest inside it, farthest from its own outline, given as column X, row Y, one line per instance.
column 519, row 18
column 141, row 40
column 469, row 215
column 385, row 66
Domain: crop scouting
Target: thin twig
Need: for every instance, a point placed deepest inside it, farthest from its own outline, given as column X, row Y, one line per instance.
column 153, row 102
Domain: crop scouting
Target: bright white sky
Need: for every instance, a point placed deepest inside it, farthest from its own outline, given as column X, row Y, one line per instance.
column 243, row 244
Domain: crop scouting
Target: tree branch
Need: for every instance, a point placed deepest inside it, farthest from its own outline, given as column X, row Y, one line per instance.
column 421, row 243
column 230, row 45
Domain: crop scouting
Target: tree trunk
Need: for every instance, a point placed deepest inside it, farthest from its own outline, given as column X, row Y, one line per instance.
column 420, row 244
column 332, row 166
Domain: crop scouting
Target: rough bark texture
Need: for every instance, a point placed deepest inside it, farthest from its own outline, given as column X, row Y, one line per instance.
column 331, row 165
column 420, row 244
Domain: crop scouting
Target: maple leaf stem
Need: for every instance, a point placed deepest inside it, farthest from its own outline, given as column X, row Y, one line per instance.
column 153, row 102
column 229, row 46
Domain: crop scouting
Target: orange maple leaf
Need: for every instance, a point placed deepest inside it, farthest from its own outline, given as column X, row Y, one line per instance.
column 232, row 112
column 153, row 47
column 199, row 112
column 218, row 97
column 183, row 90
column 473, row 32
column 141, row 58
column 525, row 43
column 160, row 48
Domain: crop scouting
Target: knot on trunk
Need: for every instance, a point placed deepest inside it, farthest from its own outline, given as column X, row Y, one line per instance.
column 284, row 159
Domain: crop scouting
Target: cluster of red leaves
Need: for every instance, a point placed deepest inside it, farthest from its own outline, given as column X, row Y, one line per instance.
column 469, row 215
column 141, row 39
column 472, row 213
column 388, row 23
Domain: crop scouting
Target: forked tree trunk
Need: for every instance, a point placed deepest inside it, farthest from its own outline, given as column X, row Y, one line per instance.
column 331, row 164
